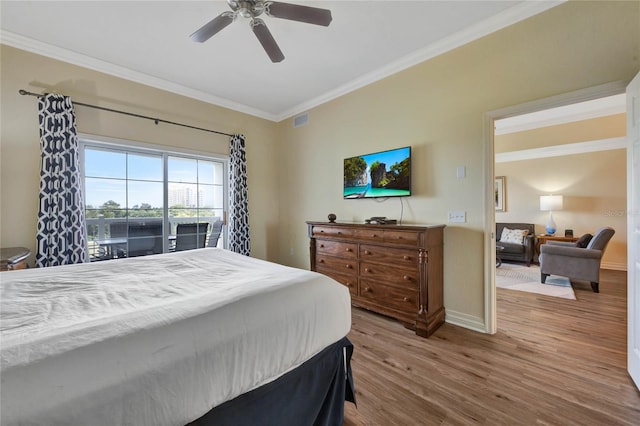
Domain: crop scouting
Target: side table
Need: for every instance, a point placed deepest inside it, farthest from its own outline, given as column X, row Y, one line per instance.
column 543, row 238
column 12, row 258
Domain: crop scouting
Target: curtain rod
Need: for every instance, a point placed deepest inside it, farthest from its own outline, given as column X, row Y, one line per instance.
column 156, row 120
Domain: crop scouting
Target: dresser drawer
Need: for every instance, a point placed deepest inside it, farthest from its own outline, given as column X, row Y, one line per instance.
column 402, row 299
column 369, row 234
column 402, row 237
column 391, row 255
column 394, row 275
column 331, row 231
column 337, row 248
column 338, row 264
column 349, row 281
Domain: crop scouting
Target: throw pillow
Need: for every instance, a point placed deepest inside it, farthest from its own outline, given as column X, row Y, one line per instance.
column 515, row 236
column 583, row 241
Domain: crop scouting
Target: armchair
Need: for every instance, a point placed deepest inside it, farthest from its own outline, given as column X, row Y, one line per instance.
column 573, row 262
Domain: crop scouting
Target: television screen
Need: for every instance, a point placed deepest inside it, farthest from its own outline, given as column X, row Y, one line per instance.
column 381, row 174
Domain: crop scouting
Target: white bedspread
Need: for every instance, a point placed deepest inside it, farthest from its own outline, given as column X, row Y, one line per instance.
column 156, row 340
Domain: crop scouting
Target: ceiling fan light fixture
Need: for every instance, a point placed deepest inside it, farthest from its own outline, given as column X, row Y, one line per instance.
column 267, row 41
column 251, row 9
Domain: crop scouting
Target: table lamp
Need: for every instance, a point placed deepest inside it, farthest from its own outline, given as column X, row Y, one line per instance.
column 550, row 203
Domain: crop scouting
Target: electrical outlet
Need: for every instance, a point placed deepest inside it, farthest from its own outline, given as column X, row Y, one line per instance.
column 458, row 217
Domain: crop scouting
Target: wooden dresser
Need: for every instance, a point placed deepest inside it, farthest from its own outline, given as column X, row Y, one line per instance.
column 395, row 270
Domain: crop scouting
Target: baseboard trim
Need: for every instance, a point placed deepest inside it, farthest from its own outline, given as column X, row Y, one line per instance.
column 466, row 321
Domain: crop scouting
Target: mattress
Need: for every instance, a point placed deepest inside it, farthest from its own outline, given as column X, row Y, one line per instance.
column 158, row 339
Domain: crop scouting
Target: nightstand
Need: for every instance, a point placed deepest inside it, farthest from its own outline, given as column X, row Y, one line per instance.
column 13, row 258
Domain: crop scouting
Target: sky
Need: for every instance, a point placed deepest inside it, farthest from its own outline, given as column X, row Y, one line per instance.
column 106, row 173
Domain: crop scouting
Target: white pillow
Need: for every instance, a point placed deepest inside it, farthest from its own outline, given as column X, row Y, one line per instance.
column 515, row 236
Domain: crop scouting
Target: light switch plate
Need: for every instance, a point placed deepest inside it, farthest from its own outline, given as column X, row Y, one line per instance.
column 457, row 217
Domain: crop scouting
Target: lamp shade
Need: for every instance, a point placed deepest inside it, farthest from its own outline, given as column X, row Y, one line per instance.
column 550, row 202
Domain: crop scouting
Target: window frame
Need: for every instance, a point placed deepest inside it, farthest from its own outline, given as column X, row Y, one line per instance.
column 101, row 142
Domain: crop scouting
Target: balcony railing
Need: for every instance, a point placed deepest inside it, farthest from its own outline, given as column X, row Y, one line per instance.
column 109, row 237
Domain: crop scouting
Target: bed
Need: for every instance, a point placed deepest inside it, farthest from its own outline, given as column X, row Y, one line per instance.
column 202, row 336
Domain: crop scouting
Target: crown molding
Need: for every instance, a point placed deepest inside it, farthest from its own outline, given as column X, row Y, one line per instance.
column 595, row 108
column 495, row 23
column 560, row 150
column 44, row 49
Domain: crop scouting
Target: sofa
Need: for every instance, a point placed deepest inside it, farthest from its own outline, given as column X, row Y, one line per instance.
column 516, row 251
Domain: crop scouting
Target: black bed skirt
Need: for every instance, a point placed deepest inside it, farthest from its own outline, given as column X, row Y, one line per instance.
column 312, row 394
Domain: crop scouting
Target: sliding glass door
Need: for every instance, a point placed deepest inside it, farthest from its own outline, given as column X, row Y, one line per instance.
column 147, row 201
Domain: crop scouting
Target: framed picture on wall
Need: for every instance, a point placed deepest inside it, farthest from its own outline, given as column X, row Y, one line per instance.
column 499, row 193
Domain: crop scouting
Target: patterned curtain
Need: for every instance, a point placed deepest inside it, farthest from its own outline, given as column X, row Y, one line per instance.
column 62, row 233
column 238, row 195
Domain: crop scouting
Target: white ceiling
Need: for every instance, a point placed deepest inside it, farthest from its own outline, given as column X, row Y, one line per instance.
column 148, row 42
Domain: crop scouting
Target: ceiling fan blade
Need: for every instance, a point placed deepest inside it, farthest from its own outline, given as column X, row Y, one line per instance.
column 266, row 40
column 213, row 27
column 296, row 12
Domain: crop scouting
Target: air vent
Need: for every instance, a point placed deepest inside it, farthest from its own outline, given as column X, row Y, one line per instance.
column 301, row 120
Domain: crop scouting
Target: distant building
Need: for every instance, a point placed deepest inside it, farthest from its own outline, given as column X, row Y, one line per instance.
column 186, row 196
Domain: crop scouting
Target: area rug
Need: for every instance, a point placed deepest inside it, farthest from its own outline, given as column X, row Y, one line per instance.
column 521, row 278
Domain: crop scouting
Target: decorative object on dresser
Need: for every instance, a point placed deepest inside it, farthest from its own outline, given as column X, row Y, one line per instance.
column 516, row 241
column 13, row 258
column 332, row 217
column 395, row 270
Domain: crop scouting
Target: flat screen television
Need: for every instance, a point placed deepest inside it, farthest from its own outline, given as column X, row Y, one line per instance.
column 380, row 174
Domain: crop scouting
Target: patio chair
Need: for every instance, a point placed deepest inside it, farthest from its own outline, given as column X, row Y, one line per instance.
column 191, row 235
column 144, row 238
column 216, row 230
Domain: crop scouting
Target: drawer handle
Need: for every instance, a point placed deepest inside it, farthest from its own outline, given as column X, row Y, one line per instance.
column 405, row 257
column 349, row 284
column 348, row 266
column 406, row 278
column 367, row 270
column 406, row 299
column 339, row 233
column 348, row 249
column 322, row 231
column 321, row 260
column 367, row 289
column 321, row 245
column 374, row 235
column 367, row 252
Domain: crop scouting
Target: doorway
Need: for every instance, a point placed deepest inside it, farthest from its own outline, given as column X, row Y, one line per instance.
column 491, row 118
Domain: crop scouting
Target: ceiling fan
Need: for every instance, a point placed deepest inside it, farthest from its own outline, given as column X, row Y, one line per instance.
column 251, row 9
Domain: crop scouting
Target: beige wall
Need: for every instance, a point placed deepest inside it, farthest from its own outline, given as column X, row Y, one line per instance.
column 295, row 175
column 20, row 150
column 593, row 185
column 437, row 107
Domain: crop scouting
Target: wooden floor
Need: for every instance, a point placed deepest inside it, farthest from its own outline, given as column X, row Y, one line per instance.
column 553, row 362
